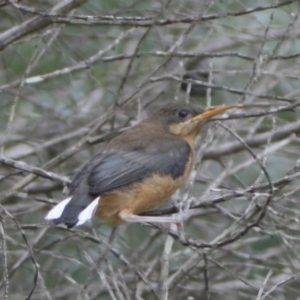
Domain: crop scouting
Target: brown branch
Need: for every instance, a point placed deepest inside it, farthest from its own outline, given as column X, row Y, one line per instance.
column 255, row 141
column 37, row 23
column 219, row 87
column 34, row 170
column 277, row 184
column 142, row 21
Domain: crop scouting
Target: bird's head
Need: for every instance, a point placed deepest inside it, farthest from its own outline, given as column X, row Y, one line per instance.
column 186, row 119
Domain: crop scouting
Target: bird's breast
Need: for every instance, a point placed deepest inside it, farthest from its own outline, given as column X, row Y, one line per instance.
column 141, row 196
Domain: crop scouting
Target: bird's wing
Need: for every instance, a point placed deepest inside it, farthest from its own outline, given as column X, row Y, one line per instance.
column 119, row 169
column 85, row 169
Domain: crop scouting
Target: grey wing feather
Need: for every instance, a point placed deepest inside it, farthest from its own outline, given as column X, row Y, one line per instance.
column 106, row 172
column 120, row 169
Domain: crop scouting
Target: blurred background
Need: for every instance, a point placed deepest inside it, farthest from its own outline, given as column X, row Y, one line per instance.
column 74, row 74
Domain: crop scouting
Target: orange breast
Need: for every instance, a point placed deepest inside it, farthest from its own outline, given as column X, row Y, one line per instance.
column 140, row 197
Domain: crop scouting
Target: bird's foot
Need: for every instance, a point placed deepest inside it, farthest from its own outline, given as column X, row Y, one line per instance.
column 131, row 218
column 183, row 209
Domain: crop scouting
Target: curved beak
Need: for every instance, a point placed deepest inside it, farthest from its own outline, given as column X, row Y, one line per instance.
column 212, row 111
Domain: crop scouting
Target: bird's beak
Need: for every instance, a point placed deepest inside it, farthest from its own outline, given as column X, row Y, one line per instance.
column 212, row 111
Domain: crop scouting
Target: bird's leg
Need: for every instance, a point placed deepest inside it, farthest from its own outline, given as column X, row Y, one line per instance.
column 131, row 218
column 176, row 219
column 184, row 206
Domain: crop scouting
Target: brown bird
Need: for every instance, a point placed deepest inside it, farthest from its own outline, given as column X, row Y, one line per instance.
column 138, row 170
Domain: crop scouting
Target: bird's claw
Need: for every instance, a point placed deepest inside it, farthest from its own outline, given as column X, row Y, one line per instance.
column 183, row 210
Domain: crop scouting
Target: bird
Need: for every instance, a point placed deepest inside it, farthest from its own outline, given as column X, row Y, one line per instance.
column 137, row 170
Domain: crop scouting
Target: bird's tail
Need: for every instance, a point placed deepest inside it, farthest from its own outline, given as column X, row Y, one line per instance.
column 71, row 213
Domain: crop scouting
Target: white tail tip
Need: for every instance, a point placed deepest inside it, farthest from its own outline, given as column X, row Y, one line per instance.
column 88, row 212
column 57, row 210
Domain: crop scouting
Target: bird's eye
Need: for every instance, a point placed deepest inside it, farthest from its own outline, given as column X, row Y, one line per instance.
column 182, row 113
